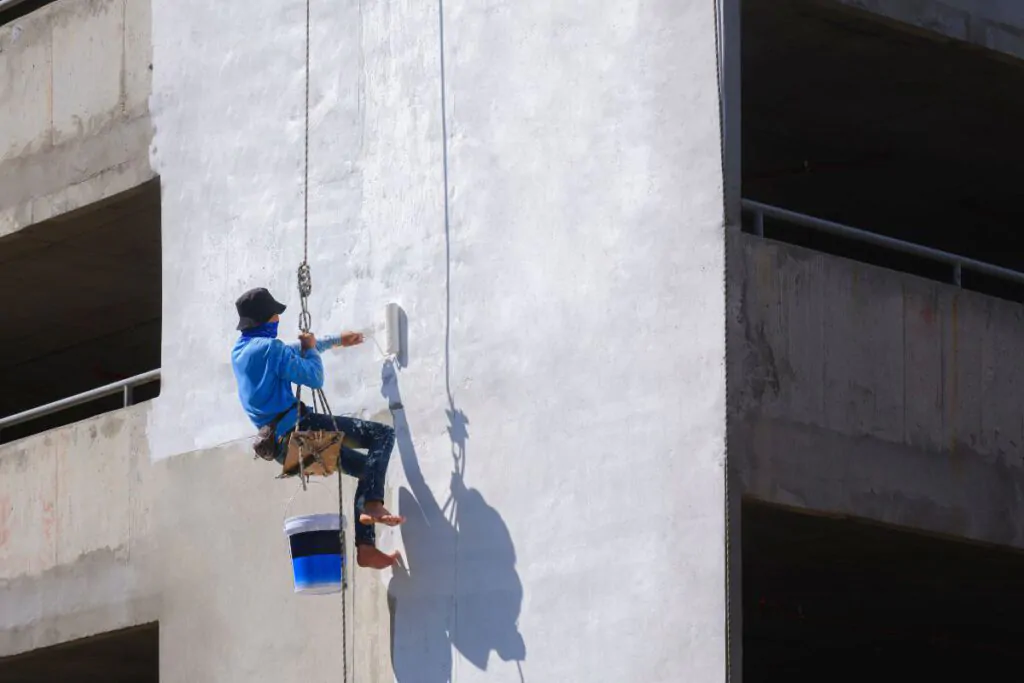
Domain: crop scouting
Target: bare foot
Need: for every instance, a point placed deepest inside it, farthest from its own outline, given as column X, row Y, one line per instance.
column 372, row 558
column 376, row 513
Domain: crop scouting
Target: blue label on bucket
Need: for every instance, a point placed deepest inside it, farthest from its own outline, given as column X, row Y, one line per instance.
column 317, row 570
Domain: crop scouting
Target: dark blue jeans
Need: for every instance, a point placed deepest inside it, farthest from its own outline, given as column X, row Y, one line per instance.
column 369, row 468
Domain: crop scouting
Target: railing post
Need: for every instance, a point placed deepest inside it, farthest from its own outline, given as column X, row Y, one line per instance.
column 957, row 274
column 127, row 395
column 759, row 223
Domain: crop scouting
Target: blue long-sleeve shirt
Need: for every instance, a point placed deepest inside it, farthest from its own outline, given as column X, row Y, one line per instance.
column 265, row 370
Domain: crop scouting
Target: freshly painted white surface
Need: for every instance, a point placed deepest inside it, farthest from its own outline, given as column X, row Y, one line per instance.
column 560, row 454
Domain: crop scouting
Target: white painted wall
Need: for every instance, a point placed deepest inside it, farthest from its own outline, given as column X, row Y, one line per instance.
column 565, row 322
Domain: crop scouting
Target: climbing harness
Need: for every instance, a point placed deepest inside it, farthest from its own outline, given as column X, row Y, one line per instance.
column 315, row 452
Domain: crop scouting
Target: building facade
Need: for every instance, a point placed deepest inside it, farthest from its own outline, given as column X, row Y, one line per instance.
column 689, row 290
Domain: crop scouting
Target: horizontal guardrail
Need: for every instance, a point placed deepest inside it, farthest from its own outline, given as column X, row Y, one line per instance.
column 957, row 263
column 124, row 387
column 8, row 4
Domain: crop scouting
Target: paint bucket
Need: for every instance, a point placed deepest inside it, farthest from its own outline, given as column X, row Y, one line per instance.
column 317, row 560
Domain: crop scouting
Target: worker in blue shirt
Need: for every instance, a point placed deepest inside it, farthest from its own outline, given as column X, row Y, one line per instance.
column 265, row 370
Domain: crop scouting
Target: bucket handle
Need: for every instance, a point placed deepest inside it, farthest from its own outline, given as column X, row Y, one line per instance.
column 291, row 499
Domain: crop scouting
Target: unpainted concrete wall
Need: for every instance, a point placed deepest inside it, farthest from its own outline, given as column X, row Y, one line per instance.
column 94, row 537
column 74, row 89
column 993, row 24
column 863, row 391
column 75, row 514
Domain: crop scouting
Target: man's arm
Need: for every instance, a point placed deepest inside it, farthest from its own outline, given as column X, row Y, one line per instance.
column 325, row 344
column 305, row 368
column 333, row 341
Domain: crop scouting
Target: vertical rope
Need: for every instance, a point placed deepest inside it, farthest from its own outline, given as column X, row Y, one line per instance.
column 305, row 277
column 305, row 160
column 344, row 573
column 305, row 282
column 718, row 14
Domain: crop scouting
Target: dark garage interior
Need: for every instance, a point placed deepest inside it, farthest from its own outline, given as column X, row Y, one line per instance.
column 828, row 599
column 81, row 296
column 851, row 118
column 127, row 656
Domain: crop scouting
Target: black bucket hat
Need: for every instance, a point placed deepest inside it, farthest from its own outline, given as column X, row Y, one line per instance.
column 256, row 307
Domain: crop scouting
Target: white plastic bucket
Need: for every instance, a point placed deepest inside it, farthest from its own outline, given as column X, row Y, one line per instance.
column 318, row 563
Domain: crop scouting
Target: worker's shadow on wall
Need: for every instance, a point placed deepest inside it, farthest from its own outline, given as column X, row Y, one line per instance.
column 458, row 584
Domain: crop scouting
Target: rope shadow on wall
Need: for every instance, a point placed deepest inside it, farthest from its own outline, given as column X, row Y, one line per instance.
column 459, row 587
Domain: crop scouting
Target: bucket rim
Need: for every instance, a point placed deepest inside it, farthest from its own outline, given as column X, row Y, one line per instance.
column 325, row 521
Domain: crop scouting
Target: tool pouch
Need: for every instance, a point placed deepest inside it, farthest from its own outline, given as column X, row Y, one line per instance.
column 265, row 444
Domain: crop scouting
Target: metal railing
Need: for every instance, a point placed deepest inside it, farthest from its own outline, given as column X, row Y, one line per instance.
column 8, row 4
column 125, row 387
column 957, row 263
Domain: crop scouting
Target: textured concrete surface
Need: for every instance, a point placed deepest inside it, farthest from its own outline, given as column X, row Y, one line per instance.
column 549, row 215
column 992, row 24
column 75, row 521
column 94, row 538
column 74, row 89
column 228, row 612
column 862, row 391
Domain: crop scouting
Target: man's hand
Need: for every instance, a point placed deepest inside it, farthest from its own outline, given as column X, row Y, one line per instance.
column 351, row 338
column 307, row 341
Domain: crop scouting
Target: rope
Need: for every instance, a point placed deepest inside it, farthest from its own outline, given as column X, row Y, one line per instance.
column 344, row 582
column 305, row 285
column 718, row 14
column 305, row 276
column 305, row 177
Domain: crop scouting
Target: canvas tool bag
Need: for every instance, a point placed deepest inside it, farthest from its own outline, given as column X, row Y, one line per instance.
column 320, row 452
column 265, row 445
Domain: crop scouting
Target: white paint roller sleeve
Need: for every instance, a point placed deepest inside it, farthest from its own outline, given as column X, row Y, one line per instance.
column 392, row 330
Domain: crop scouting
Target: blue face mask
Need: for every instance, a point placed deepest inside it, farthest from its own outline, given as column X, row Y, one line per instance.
column 264, row 330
